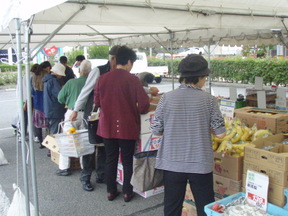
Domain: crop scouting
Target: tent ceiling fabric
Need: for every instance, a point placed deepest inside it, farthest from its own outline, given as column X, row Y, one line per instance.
column 151, row 23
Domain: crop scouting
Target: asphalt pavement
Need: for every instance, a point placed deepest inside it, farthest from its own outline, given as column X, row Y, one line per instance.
column 60, row 195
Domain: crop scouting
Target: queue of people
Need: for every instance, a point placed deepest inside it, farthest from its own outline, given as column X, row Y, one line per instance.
column 185, row 118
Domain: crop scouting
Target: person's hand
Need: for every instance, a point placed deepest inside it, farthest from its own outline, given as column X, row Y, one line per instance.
column 154, row 91
column 73, row 116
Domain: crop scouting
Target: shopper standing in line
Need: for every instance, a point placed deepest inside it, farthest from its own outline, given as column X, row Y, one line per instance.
column 185, row 117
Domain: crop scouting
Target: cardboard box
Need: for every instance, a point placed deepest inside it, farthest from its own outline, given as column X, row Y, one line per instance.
column 276, row 157
column 275, row 176
column 228, row 166
column 146, row 121
column 271, row 119
column 153, row 142
column 224, row 187
column 275, row 193
column 151, row 192
column 188, row 193
column 120, row 174
column 74, row 162
column 251, row 100
column 189, row 209
column 51, row 143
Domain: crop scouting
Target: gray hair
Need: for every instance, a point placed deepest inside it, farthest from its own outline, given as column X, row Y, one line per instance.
column 85, row 67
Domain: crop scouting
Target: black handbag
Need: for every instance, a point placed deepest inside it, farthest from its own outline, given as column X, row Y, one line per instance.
column 93, row 120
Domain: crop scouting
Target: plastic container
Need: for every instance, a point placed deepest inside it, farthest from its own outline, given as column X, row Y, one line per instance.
column 271, row 209
column 74, row 145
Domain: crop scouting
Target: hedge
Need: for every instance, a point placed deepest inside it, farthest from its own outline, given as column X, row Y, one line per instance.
column 273, row 71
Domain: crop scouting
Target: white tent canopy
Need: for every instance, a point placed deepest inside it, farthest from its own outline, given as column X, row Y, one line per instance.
column 148, row 23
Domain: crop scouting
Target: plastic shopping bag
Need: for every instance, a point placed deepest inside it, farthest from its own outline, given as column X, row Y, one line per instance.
column 18, row 207
column 2, row 158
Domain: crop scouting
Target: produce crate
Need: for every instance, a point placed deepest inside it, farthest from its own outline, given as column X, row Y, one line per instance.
column 240, row 104
column 251, row 100
column 271, row 209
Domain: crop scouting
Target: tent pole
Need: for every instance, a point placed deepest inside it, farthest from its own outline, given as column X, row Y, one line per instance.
column 21, row 112
column 209, row 63
column 30, row 123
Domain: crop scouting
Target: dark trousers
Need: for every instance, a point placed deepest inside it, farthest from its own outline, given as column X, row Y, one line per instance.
column 53, row 125
column 112, row 155
column 88, row 162
column 175, row 186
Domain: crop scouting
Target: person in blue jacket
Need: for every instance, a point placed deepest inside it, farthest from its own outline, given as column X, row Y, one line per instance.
column 54, row 111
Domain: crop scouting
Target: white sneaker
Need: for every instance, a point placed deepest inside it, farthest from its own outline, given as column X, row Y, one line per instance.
column 36, row 140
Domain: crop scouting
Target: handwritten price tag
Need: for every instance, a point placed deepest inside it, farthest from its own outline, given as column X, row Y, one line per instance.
column 259, row 201
column 257, row 189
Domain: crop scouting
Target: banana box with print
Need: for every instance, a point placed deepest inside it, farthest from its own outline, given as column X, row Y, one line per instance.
column 153, row 141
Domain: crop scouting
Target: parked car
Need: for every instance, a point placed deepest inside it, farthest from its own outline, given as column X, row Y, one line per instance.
column 190, row 50
column 163, row 55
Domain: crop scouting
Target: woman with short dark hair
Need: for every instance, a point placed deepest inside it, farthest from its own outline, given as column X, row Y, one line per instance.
column 185, row 118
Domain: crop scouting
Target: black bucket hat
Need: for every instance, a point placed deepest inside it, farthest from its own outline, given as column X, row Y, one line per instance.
column 193, row 65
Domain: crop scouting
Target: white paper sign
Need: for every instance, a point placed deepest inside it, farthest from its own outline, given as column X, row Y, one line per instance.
column 281, row 100
column 258, row 83
column 261, row 99
column 233, row 93
column 257, row 189
column 227, row 108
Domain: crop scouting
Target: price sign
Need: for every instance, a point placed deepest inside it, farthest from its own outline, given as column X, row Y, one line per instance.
column 227, row 108
column 257, row 189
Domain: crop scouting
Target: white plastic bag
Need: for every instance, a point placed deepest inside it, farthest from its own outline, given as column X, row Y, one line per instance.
column 18, row 207
column 4, row 202
column 2, row 158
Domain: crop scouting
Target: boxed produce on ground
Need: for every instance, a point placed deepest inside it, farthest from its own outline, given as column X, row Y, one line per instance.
column 228, row 166
column 146, row 121
column 269, row 152
column 189, row 209
column 51, row 143
column 278, row 177
column 271, row 119
column 224, row 187
column 189, row 194
column 74, row 162
column 150, row 141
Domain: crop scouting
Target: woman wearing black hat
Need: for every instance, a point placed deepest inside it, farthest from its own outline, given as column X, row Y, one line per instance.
column 185, row 118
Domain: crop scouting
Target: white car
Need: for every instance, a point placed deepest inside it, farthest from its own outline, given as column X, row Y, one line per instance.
column 190, row 50
column 94, row 63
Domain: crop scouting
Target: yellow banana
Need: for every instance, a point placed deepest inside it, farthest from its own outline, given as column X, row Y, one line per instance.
column 262, row 133
column 237, row 135
column 225, row 147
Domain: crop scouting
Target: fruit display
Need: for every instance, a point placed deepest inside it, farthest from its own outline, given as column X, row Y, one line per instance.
column 237, row 137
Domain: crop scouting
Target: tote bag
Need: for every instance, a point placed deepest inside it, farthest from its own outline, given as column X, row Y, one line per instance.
column 93, row 121
column 145, row 177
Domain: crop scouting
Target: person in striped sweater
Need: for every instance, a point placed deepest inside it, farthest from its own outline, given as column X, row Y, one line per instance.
column 185, row 117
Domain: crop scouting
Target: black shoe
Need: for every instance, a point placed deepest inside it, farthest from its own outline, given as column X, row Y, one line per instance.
column 87, row 186
column 100, row 181
column 41, row 146
column 112, row 196
column 64, row 172
column 127, row 197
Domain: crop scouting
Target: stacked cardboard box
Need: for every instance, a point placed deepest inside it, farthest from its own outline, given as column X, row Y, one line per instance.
column 271, row 119
column 51, row 143
column 189, row 207
column 227, row 175
column 270, row 157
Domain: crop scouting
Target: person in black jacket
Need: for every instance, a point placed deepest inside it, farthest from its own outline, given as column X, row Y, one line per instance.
column 69, row 74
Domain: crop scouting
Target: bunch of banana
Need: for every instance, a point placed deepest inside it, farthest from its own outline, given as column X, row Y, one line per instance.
column 237, row 137
column 262, row 133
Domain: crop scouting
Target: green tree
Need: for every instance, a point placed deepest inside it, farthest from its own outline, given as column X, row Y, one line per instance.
column 98, row 52
column 72, row 55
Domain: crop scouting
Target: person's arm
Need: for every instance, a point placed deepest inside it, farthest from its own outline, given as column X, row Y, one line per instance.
column 62, row 96
column 217, row 121
column 142, row 98
column 157, row 125
column 87, row 89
